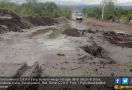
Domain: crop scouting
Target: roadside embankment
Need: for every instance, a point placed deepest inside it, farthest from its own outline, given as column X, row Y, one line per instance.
column 9, row 21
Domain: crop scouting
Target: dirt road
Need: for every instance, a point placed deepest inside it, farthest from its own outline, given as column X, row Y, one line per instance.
column 88, row 54
column 109, row 25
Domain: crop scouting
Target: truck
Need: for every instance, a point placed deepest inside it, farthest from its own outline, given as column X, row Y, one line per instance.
column 77, row 16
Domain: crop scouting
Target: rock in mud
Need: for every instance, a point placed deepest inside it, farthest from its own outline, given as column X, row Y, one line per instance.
column 59, row 54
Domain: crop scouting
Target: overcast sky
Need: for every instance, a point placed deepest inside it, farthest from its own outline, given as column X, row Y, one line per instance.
column 84, row 2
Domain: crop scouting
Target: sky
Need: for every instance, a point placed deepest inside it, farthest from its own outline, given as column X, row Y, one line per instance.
column 81, row 2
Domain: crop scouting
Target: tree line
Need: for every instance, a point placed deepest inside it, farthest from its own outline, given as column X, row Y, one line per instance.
column 111, row 12
column 49, row 9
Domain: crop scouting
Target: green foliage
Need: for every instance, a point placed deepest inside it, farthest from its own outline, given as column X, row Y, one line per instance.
column 111, row 12
column 96, row 12
column 66, row 12
column 115, row 14
column 37, row 9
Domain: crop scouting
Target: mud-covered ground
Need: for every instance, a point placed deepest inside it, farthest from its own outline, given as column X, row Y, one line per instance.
column 66, row 49
column 43, row 46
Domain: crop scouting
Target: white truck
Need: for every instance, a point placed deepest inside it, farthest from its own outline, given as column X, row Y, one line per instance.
column 77, row 16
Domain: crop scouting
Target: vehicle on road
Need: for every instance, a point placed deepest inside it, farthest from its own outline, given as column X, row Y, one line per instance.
column 77, row 16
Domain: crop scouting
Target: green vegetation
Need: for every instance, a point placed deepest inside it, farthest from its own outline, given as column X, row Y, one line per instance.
column 109, row 11
column 37, row 9
column 115, row 14
column 92, row 12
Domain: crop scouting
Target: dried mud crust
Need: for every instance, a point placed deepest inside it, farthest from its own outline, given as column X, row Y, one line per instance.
column 119, row 39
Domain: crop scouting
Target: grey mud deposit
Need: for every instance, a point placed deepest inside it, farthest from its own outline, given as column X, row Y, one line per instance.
column 72, row 53
column 62, row 49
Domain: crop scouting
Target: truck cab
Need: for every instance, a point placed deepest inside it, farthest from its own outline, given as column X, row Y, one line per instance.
column 79, row 17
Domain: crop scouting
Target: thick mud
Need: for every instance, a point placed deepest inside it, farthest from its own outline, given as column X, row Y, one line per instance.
column 120, row 39
column 41, row 21
column 9, row 21
column 64, row 50
column 95, row 50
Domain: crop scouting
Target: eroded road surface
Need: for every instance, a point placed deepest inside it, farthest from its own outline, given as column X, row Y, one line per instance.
column 79, row 25
column 91, row 52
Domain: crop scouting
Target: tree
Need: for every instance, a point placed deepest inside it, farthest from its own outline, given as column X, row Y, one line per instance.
column 108, row 4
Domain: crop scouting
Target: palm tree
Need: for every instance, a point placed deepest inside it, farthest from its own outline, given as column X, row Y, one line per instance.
column 109, row 4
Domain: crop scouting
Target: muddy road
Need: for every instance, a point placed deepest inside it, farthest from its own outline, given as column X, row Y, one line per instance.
column 81, row 51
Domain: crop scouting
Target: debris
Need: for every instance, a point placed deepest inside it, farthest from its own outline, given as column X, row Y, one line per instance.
column 95, row 50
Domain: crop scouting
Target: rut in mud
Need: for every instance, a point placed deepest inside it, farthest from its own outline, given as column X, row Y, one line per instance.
column 71, row 32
